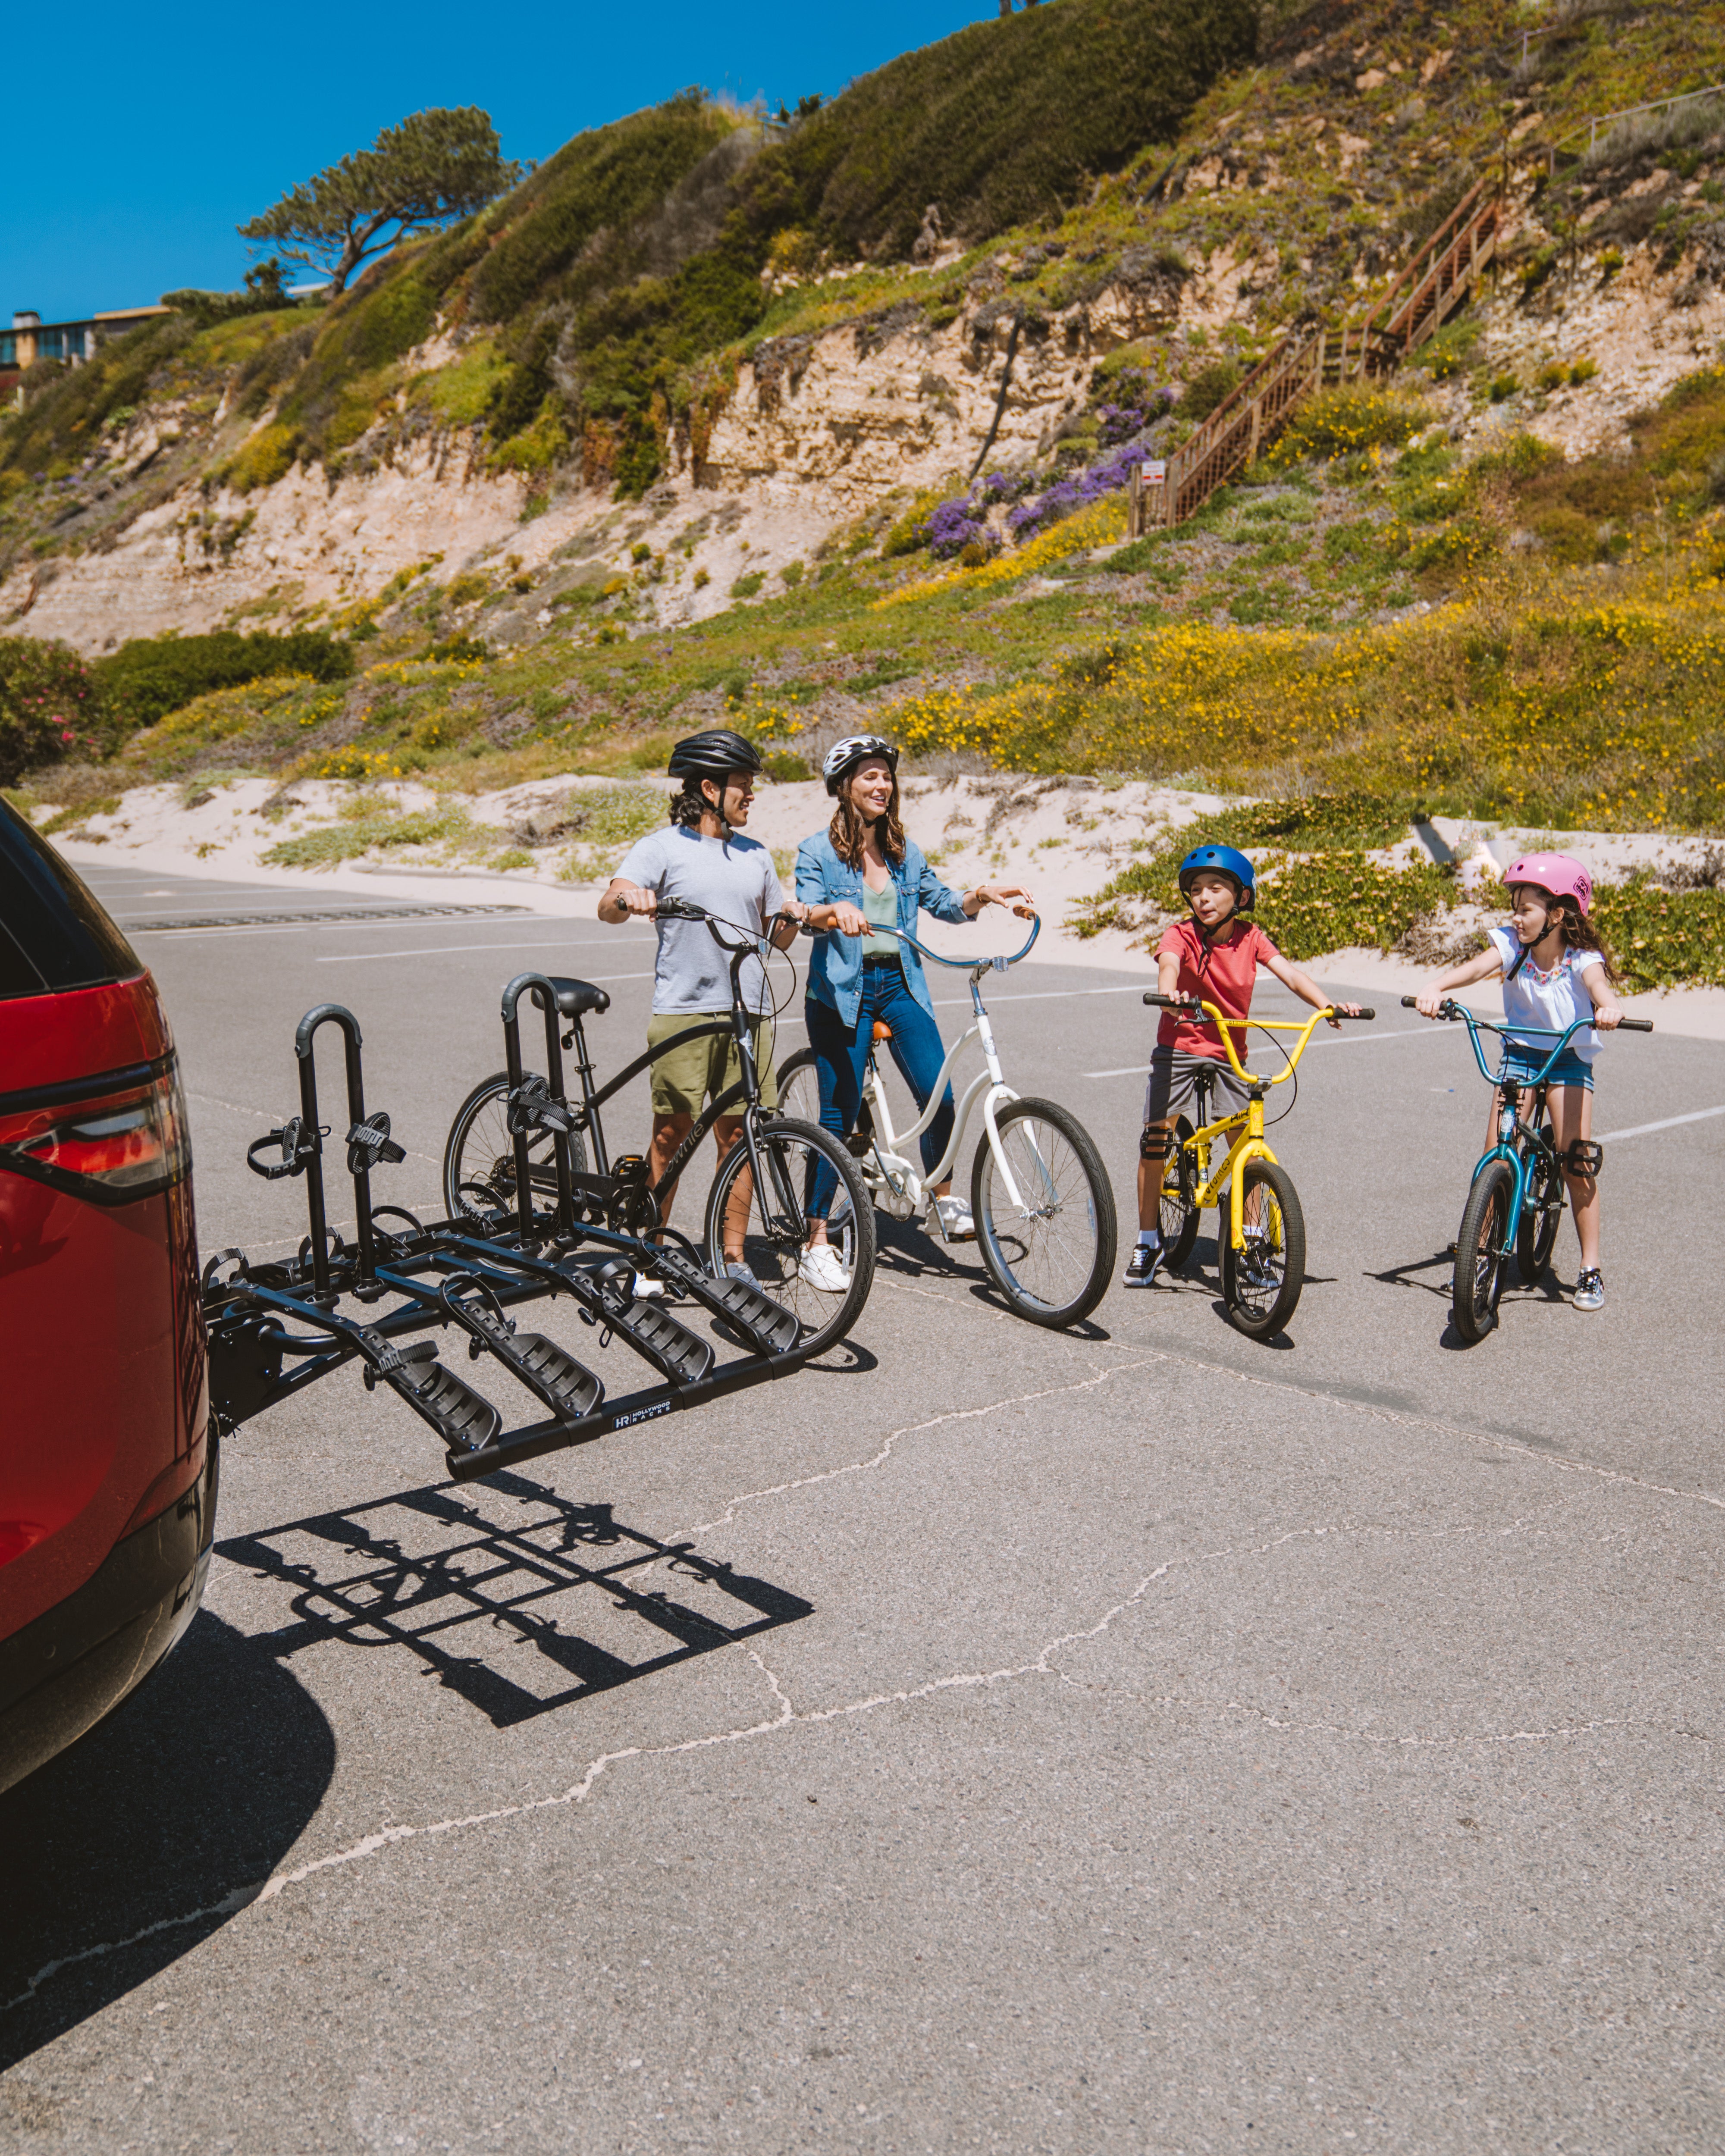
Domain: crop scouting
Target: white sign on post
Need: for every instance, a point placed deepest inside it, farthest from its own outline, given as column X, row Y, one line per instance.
column 1156, row 472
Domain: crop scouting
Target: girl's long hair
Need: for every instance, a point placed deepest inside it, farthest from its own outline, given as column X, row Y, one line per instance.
column 1578, row 933
column 848, row 831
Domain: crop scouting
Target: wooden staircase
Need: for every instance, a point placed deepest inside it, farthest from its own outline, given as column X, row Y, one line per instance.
column 1435, row 285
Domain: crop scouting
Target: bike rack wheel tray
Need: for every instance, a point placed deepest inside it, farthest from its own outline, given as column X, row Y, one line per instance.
column 274, row 1328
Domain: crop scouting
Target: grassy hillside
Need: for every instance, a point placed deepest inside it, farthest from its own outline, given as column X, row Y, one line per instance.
column 1369, row 617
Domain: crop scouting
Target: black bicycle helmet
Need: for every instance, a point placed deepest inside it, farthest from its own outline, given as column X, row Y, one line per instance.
column 713, row 755
column 844, row 756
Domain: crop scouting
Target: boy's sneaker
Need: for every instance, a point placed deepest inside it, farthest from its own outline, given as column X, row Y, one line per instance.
column 822, row 1268
column 1589, row 1289
column 1141, row 1267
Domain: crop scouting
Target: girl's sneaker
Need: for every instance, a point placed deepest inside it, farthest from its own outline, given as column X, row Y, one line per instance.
column 1589, row 1289
column 822, row 1268
column 1141, row 1267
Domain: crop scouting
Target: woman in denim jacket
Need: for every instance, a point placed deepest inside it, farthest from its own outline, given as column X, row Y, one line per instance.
column 859, row 877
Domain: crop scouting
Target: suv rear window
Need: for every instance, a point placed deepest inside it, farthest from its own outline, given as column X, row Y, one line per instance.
column 53, row 934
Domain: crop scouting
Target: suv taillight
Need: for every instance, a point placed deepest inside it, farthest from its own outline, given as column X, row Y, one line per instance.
column 112, row 1149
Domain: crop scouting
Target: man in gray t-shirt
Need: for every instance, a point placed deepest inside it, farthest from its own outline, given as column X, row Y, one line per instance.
column 703, row 856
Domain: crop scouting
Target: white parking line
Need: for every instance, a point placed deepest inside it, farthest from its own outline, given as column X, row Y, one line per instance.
column 1669, row 1123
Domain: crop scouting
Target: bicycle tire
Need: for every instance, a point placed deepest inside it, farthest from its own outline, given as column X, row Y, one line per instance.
column 478, row 1155
column 1071, row 1279
column 775, row 1259
column 1178, row 1215
column 799, row 1087
column 1537, row 1230
column 1261, row 1306
column 1482, row 1244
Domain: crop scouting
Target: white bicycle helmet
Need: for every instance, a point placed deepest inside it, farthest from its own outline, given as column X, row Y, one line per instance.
column 844, row 756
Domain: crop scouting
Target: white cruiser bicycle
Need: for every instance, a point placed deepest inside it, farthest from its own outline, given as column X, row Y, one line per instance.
column 1039, row 1197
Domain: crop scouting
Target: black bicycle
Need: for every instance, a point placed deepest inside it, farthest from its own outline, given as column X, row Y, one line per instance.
column 763, row 1183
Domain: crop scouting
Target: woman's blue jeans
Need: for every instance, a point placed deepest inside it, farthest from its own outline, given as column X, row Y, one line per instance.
column 842, row 1060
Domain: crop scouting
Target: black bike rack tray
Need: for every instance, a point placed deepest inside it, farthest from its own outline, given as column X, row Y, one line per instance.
column 276, row 1328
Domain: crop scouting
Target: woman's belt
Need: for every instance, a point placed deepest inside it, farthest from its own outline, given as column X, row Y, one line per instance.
column 881, row 958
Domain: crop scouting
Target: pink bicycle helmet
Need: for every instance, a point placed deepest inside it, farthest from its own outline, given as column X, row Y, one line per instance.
column 1557, row 873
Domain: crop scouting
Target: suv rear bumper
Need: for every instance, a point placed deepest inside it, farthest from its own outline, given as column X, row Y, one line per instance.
column 61, row 1674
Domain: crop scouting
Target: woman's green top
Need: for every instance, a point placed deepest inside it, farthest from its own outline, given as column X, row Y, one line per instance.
column 881, row 911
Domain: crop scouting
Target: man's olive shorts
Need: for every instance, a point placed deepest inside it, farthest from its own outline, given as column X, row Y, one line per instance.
column 686, row 1079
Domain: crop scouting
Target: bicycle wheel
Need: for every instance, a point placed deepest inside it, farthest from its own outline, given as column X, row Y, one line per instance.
column 1261, row 1284
column 1051, row 1256
column 1178, row 1209
column 478, row 1155
column 799, row 1087
column 776, row 1232
column 1542, row 1206
column 1481, row 1246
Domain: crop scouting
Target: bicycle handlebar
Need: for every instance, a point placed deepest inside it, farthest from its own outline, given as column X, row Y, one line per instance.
column 1228, row 1026
column 1450, row 1009
column 964, row 965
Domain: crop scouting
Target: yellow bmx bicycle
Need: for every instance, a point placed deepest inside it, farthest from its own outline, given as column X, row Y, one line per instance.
column 1261, row 1238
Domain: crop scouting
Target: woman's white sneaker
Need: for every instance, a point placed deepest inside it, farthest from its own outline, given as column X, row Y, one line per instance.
column 821, row 1269
column 955, row 1223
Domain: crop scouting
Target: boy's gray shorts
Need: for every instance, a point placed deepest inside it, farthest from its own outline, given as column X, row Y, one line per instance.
column 1173, row 1085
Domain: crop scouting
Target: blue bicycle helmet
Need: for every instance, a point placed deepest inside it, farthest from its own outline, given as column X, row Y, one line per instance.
column 1222, row 860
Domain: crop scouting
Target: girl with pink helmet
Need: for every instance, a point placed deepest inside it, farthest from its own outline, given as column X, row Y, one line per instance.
column 1555, row 969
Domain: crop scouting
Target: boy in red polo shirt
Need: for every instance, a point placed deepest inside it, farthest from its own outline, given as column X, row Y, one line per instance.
column 1215, row 955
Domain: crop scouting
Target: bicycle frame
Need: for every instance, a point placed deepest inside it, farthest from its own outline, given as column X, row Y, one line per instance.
column 738, row 1023
column 1510, row 1091
column 989, row 1086
column 1249, row 1142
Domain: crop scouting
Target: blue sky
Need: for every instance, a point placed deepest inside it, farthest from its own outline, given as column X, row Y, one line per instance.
column 156, row 133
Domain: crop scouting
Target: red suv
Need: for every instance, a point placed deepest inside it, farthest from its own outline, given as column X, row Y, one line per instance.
column 107, row 1459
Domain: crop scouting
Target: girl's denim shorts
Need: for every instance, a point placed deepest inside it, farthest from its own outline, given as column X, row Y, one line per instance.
column 1524, row 1064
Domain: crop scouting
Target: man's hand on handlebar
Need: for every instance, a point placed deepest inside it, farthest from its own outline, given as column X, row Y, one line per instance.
column 621, row 900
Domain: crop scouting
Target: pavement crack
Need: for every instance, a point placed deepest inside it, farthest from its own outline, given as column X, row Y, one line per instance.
column 883, row 1452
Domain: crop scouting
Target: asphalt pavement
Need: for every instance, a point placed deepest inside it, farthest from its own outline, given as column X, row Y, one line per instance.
column 1131, row 1739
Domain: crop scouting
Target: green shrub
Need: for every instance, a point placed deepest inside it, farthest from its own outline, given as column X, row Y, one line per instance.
column 1583, row 370
column 262, row 459
column 1346, row 420
column 150, row 676
column 1210, row 387
column 1503, row 387
column 51, row 706
column 791, row 575
column 745, row 587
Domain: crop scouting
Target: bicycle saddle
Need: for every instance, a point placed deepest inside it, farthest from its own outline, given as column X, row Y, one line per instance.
column 883, row 1031
column 575, row 998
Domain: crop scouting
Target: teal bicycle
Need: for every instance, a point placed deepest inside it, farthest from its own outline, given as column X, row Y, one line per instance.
column 1515, row 1199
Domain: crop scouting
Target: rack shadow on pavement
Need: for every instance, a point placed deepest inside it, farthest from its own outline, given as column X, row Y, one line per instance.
column 516, row 1615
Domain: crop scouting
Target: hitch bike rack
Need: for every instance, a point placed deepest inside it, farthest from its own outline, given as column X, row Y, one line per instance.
column 276, row 1328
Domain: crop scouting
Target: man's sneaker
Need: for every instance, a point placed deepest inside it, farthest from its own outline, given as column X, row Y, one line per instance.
column 955, row 1223
column 821, row 1269
column 1589, row 1289
column 735, row 1269
column 1141, row 1267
